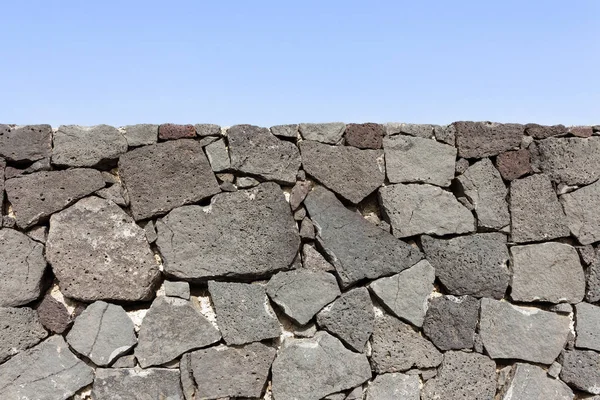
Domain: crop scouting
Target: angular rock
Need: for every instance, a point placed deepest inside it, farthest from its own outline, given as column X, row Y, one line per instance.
column 416, row 209
column 40, row 165
column 483, row 186
column 313, row 260
column 445, row 134
column 102, row 332
column 536, row 214
column 397, row 347
column 484, row 139
column 245, row 182
column 48, row 371
column 592, row 275
column 140, row 134
column 166, row 175
column 53, row 315
column 218, row 156
column 473, row 265
column 350, row 172
column 244, row 313
column 524, row 333
column 548, row 272
column 357, row 249
column 21, row 269
column 544, row 131
column 298, row 194
column 255, row 151
column 528, row 382
column 582, row 218
column 587, row 317
column 302, row 293
column 150, row 231
column 196, row 242
column 417, row 130
column 214, row 368
column 204, row 130
column 119, row 264
column 124, row 362
column 307, row 229
column 134, row 384
column 394, row 386
column 554, row 370
column 287, row 131
column 310, row 369
column 25, row 143
column 514, row 164
column 87, row 146
column 581, row 131
column 405, row 294
column 177, row 289
column 330, row 133
column 462, row 376
column 350, row 318
column 365, row 136
column 21, row 329
column 581, row 370
column 414, row 159
column 116, row 194
column 188, row 385
column 461, row 166
column 450, row 322
column 175, row 131
column 36, row 196
column 561, row 308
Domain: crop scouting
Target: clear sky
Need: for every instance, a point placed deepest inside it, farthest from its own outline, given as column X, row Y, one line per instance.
column 274, row 62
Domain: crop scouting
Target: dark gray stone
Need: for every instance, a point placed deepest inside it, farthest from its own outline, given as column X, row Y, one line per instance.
column 581, row 207
column 394, row 386
column 204, row 130
column 365, row 136
column 53, row 314
column 313, row 260
column 21, row 329
column 87, row 146
column 25, row 143
column 286, row 131
column 514, row 164
column 218, row 156
column 581, row 370
column 140, row 134
column 247, row 233
column 135, row 384
column 527, row 382
column 331, row 132
column 543, row 131
column 40, row 165
column 177, row 289
column 450, row 322
column 587, row 318
column 484, row 139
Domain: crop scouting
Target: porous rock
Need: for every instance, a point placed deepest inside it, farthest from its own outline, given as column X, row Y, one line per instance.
column 445, row 134
column 592, row 276
column 365, row 136
column 513, row 164
column 587, row 319
column 134, row 384
column 417, row 130
column 25, row 143
column 175, row 131
column 451, row 321
column 313, row 260
column 140, row 134
column 21, row 329
column 204, row 130
column 527, row 382
column 53, row 314
column 330, row 132
column 289, row 131
column 115, row 193
column 394, row 386
column 87, row 146
column 581, row 207
column 177, row 289
column 484, row 139
column 298, row 193
column 544, row 131
column 581, row 370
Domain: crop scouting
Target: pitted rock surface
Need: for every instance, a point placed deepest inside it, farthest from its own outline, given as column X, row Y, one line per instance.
column 25, row 143
column 418, row 130
column 484, row 139
column 21, row 329
column 204, row 130
column 175, row 131
column 394, row 386
column 87, row 146
column 528, row 381
column 330, row 132
column 514, row 164
column 450, row 322
column 134, row 384
column 53, row 314
column 581, row 370
column 365, row 136
column 580, row 208
column 287, row 131
column 544, row 131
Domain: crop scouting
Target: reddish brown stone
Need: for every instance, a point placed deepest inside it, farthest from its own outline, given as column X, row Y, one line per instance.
column 581, row 131
column 513, row 164
column 53, row 315
column 174, row 131
column 365, row 136
column 544, row 131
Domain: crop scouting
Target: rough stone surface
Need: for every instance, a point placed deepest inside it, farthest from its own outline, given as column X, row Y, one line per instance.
column 307, row 229
column 214, row 367
column 21, row 329
column 527, row 382
column 246, row 182
column 53, row 314
column 177, row 289
column 544, row 131
column 581, row 370
column 119, row 264
column 445, row 134
column 310, row 369
column 592, row 275
column 357, row 249
column 524, row 333
column 473, row 265
column 417, row 130
column 350, row 172
column 87, row 146
column 140, row 134
column 582, row 218
column 313, row 260
column 587, row 318
column 484, row 139
column 514, row 164
column 287, row 131
column 548, row 272
column 166, row 175
column 365, row 136
column 535, row 211
column 218, row 156
column 298, row 193
column 451, row 321
column 581, row 131
column 135, row 384
column 116, row 194
column 241, row 234
column 175, row 131
column 36, row 196
column 394, row 386
column 25, row 143
column 188, row 385
column 244, row 314
column 414, row 159
column 331, row 132
column 124, row 362
column 204, row 130
column 415, row 209
column 350, row 318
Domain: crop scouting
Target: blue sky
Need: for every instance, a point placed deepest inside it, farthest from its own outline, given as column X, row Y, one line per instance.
column 273, row 62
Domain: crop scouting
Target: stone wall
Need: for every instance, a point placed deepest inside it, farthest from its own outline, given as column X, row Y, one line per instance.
column 313, row 261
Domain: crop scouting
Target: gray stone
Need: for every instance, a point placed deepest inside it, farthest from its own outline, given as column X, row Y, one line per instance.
column 484, row 139
column 298, row 193
column 483, row 186
column 473, row 265
column 543, row 131
column 461, row 165
column 203, row 130
column 228, row 187
column 350, row 318
column 536, row 214
column 445, row 134
column 529, row 382
column 335, row 396
column 587, row 254
column 394, row 386
column 357, row 248
column 302, row 293
column 245, row 182
column 38, row 233
column 355, row 394
column 415, row 209
column 255, row 151
column 592, row 276
column 119, row 264
column 140, row 134
column 53, row 314
column 244, row 313
column 218, row 156
column 124, row 362
column 188, row 385
column 48, row 371
column 40, row 165
column 313, row 260
column 21, row 270
column 405, row 294
column 170, row 328
column 397, row 347
column 524, row 333
column 307, row 229
column 87, row 146
column 581, row 369
column 350, row 172
column 25, row 143
column 135, row 384
column 331, row 132
column 554, row 370
column 300, row 214
column 581, row 208
column 150, row 231
column 310, row 369
column 286, row 131
column 548, row 272
column 166, row 175
column 414, row 159
column 36, row 196
column 417, row 130
column 207, row 140
column 462, row 376
column 561, row 308
column 587, row 318
column 450, row 322
column 114, row 193
column 247, row 233
column 226, row 177
column 214, row 368
column 21, row 329
column 177, row 289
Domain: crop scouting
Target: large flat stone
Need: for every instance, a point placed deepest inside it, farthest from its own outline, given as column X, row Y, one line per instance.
column 25, row 143
column 587, row 318
column 21, row 329
column 581, row 207
column 330, row 132
column 357, row 248
column 544, row 131
column 140, row 134
column 415, row 209
column 484, row 139
column 166, row 175
column 248, row 233
column 87, row 146
column 394, row 386
column 524, row 333
column 451, row 321
column 119, row 264
column 135, row 384
column 36, row 196
column 581, row 370
column 350, row 172
column 310, row 369
column 418, row 130
column 527, row 382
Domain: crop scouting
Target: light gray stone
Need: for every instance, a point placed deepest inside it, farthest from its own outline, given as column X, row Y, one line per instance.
column 87, row 146
column 581, row 208
column 313, row 260
column 592, row 276
column 561, row 308
column 394, row 386
column 150, row 231
column 445, row 134
column 581, row 370
column 124, row 362
column 286, row 131
column 53, row 314
column 177, row 289
column 331, row 132
column 417, row 130
column 450, row 322
column 21, row 329
column 217, row 155
column 587, row 318
column 135, row 384
column 484, row 139
column 529, row 382
column 554, row 370
column 114, row 193
column 355, row 394
column 140, row 134
column 203, row 130
column 298, row 193
column 300, row 214
column 25, row 143
column 307, row 229
column 245, row 182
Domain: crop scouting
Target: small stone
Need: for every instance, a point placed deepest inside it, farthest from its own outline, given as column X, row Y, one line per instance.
column 313, row 260
column 140, row 134
column 307, row 229
column 246, row 182
column 124, row 362
column 580, row 208
column 226, row 177
column 170, row 328
column 461, row 166
column 285, row 131
column 174, row 131
column 554, row 370
column 302, row 293
column 415, row 284
column 513, row 164
column 207, row 140
column 350, row 172
column 116, row 194
column 394, row 386
column 524, row 333
column 561, row 308
column 301, row 175
column 418, row 130
column 53, row 314
column 445, row 134
column 218, row 156
column 300, row 214
column 581, row 131
column 526, row 141
column 528, row 381
column 587, row 318
column 592, row 275
column 228, row 187
column 21, row 329
column 38, row 233
column 355, row 394
column 450, row 322
column 365, row 136
column 87, row 146
column 244, row 313
column 203, row 130
column 350, row 318
column 25, row 143
column 414, row 209
column 177, row 289
column 544, row 131
column 298, row 194
column 133, row 384
column 484, row 139
column 587, row 254
column 8, row 221
column 150, row 231
column 310, row 369
column 581, row 369
column 335, row 396
column 102, row 333
column 330, row 133
column 187, row 377
column 109, row 177
column 548, row 272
